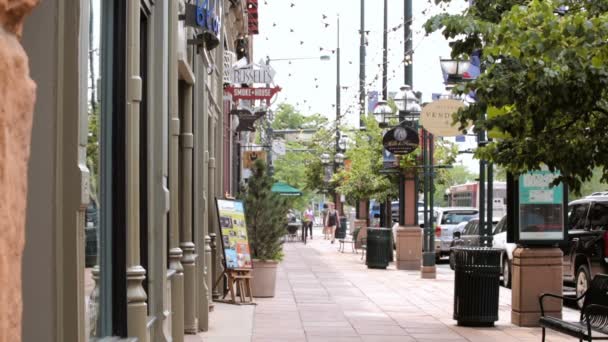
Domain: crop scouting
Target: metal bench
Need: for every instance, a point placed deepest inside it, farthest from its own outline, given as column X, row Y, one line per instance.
column 594, row 313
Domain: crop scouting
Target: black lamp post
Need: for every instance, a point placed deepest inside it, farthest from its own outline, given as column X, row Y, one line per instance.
column 455, row 71
column 383, row 113
column 409, row 108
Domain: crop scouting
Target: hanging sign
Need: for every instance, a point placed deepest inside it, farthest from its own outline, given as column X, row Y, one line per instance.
column 401, row 140
column 252, row 16
column 231, row 215
column 437, row 117
column 252, row 93
column 253, row 73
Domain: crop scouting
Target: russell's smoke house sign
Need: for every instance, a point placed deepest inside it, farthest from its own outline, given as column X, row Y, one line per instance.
column 252, row 93
column 437, row 117
column 253, row 73
column 401, row 140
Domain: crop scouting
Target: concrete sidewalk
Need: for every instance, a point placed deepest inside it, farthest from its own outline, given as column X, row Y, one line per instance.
column 324, row 295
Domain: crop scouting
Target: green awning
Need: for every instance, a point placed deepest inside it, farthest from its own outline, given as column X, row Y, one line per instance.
column 285, row 189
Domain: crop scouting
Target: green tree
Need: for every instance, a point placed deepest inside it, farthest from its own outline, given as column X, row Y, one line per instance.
column 364, row 179
column 266, row 214
column 544, row 85
column 287, row 117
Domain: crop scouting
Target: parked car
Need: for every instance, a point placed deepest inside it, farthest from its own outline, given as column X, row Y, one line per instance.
column 586, row 251
column 506, row 259
column 468, row 237
column 446, row 220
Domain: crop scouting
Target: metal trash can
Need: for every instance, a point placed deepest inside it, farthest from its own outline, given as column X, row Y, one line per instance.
column 341, row 231
column 476, row 285
column 378, row 247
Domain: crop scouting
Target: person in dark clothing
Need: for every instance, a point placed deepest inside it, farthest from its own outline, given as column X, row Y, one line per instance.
column 332, row 221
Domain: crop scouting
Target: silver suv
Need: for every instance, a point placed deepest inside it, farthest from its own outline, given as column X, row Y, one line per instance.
column 446, row 220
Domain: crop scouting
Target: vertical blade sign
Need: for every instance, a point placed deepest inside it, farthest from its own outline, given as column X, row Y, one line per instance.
column 252, row 16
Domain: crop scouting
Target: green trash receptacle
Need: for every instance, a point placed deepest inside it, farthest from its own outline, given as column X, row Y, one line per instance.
column 476, row 285
column 378, row 247
column 341, row 231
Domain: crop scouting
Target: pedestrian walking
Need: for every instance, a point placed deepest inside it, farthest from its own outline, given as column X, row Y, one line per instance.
column 309, row 217
column 324, row 216
column 332, row 221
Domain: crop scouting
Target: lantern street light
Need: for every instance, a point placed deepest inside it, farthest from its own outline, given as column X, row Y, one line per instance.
column 383, row 113
column 454, row 71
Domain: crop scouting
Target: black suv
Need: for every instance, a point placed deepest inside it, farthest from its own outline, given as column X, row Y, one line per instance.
column 586, row 252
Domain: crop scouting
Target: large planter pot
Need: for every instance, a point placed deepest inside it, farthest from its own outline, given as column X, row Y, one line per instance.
column 264, row 278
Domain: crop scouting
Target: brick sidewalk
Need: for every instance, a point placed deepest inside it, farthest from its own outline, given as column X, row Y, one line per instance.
column 324, row 295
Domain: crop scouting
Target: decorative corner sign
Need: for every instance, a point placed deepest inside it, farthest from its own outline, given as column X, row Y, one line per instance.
column 252, row 93
column 437, row 117
column 401, row 140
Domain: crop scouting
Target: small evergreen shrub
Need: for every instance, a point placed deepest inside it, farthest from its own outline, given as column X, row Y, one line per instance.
column 266, row 215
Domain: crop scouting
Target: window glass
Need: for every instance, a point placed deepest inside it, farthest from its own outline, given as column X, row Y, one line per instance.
column 577, row 215
column 501, row 226
column 91, row 227
column 598, row 216
column 455, row 217
column 469, row 228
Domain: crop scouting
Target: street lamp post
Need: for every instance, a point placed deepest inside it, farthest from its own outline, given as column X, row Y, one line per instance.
column 383, row 113
column 456, row 71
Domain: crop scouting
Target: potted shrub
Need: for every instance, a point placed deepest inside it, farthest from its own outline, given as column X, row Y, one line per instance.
column 266, row 215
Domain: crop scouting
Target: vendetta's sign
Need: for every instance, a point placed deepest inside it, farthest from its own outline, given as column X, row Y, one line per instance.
column 252, row 93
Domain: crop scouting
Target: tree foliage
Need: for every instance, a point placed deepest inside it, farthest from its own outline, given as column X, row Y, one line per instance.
column 287, row 117
column 364, row 179
column 266, row 214
column 543, row 94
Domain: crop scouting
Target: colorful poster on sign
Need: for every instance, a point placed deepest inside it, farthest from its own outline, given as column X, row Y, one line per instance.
column 231, row 215
column 541, row 207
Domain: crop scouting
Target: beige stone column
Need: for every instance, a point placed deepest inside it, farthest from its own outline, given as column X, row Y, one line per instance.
column 137, row 310
column 212, row 191
column 175, row 252
column 535, row 271
column 200, row 202
column 188, row 247
column 17, row 92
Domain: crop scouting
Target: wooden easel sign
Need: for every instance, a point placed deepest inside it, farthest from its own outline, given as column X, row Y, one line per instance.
column 235, row 243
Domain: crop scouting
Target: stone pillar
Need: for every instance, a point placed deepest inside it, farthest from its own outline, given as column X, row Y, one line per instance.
column 18, row 93
column 409, row 247
column 137, row 308
column 175, row 252
column 214, row 275
column 211, row 269
column 186, row 244
column 535, row 271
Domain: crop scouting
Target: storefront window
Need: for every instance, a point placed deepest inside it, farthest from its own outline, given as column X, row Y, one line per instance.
column 92, row 214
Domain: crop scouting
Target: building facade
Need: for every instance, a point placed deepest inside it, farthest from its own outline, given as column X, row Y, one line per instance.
column 142, row 210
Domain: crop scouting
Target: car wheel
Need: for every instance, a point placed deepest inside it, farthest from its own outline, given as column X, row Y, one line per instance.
column 452, row 260
column 506, row 272
column 583, row 279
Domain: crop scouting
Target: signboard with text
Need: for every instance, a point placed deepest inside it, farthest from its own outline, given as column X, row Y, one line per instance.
column 253, row 73
column 252, row 93
column 401, row 140
column 541, row 214
column 437, row 117
column 231, row 215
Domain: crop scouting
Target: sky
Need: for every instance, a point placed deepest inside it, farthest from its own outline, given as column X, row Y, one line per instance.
column 308, row 28
column 310, row 84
